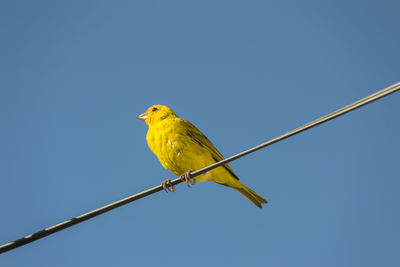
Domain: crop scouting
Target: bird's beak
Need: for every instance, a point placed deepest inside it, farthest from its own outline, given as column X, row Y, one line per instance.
column 143, row 116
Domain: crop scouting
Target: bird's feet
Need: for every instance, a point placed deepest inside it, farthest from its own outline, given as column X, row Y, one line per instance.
column 168, row 187
column 187, row 178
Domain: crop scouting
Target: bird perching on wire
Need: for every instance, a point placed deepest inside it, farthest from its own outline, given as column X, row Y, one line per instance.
column 181, row 148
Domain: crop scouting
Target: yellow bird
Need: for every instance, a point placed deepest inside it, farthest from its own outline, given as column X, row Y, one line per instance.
column 181, row 147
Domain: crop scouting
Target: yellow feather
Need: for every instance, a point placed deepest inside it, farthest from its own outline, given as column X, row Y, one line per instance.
column 180, row 147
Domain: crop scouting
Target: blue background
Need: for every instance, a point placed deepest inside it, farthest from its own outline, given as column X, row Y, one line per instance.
column 75, row 74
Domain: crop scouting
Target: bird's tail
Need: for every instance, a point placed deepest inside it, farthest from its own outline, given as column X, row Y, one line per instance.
column 249, row 194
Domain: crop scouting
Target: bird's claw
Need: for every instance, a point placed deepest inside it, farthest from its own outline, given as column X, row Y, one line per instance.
column 168, row 186
column 187, row 178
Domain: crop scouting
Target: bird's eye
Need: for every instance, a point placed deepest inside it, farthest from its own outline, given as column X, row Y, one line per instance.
column 154, row 109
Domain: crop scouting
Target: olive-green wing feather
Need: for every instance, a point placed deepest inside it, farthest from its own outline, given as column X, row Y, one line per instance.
column 203, row 141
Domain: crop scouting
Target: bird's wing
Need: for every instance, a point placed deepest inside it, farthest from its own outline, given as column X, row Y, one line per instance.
column 203, row 141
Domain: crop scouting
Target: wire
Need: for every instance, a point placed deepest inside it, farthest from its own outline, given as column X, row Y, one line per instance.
column 58, row 227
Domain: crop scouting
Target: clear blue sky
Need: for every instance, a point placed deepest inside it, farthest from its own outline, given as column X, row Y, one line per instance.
column 75, row 74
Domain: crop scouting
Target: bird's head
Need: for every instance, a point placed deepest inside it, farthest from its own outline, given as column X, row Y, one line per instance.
column 156, row 113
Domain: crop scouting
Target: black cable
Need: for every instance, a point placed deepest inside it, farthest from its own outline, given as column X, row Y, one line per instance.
column 58, row 227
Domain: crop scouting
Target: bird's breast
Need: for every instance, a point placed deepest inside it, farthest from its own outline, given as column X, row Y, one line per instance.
column 169, row 147
column 176, row 150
